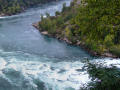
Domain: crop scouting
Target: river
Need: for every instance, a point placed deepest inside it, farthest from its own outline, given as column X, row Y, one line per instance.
column 31, row 61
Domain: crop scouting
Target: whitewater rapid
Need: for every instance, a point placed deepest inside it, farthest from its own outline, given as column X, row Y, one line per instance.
column 43, row 73
column 40, row 73
column 30, row 61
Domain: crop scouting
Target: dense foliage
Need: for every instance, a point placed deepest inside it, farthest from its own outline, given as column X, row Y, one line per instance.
column 103, row 78
column 15, row 6
column 95, row 23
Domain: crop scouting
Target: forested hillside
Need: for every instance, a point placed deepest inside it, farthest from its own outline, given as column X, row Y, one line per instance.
column 94, row 24
column 9, row 7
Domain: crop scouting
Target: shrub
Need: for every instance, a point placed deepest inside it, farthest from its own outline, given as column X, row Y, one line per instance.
column 115, row 50
column 103, row 78
column 57, row 13
column 108, row 41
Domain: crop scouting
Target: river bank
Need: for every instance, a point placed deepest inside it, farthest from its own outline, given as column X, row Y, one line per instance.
column 64, row 26
column 13, row 7
column 30, row 61
column 39, row 63
column 81, row 44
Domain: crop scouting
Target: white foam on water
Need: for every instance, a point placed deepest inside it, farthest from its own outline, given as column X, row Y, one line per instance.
column 108, row 62
column 65, row 75
column 59, row 76
column 2, row 17
column 2, row 64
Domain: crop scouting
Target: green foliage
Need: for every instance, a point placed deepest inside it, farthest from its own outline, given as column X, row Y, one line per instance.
column 94, row 22
column 48, row 15
column 64, row 7
column 47, row 25
column 108, row 78
column 68, row 33
column 10, row 7
column 57, row 13
column 115, row 50
column 108, row 41
column 97, row 21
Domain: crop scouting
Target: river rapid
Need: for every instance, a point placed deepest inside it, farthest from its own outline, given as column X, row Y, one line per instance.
column 31, row 61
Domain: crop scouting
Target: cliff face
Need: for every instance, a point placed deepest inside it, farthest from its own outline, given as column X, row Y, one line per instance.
column 9, row 7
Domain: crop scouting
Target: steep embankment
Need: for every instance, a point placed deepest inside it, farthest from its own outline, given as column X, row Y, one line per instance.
column 10, row 7
column 92, row 24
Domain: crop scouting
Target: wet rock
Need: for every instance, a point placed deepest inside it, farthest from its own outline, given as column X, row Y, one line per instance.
column 44, row 33
column 109, row 55
column 78, row 42
column 66, row 40
column 36, row 25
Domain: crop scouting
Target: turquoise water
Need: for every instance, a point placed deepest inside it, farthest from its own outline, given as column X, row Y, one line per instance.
column 30, row 61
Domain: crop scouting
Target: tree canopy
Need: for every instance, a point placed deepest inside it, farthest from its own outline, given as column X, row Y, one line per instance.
column 10, row 7
column 96, row 23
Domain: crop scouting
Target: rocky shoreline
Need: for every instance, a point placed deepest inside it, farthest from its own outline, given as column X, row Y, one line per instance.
column 2, row 14
column 79, row 43
column 23, row 8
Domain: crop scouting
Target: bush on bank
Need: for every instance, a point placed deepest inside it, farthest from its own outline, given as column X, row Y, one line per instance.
column 96, row 23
